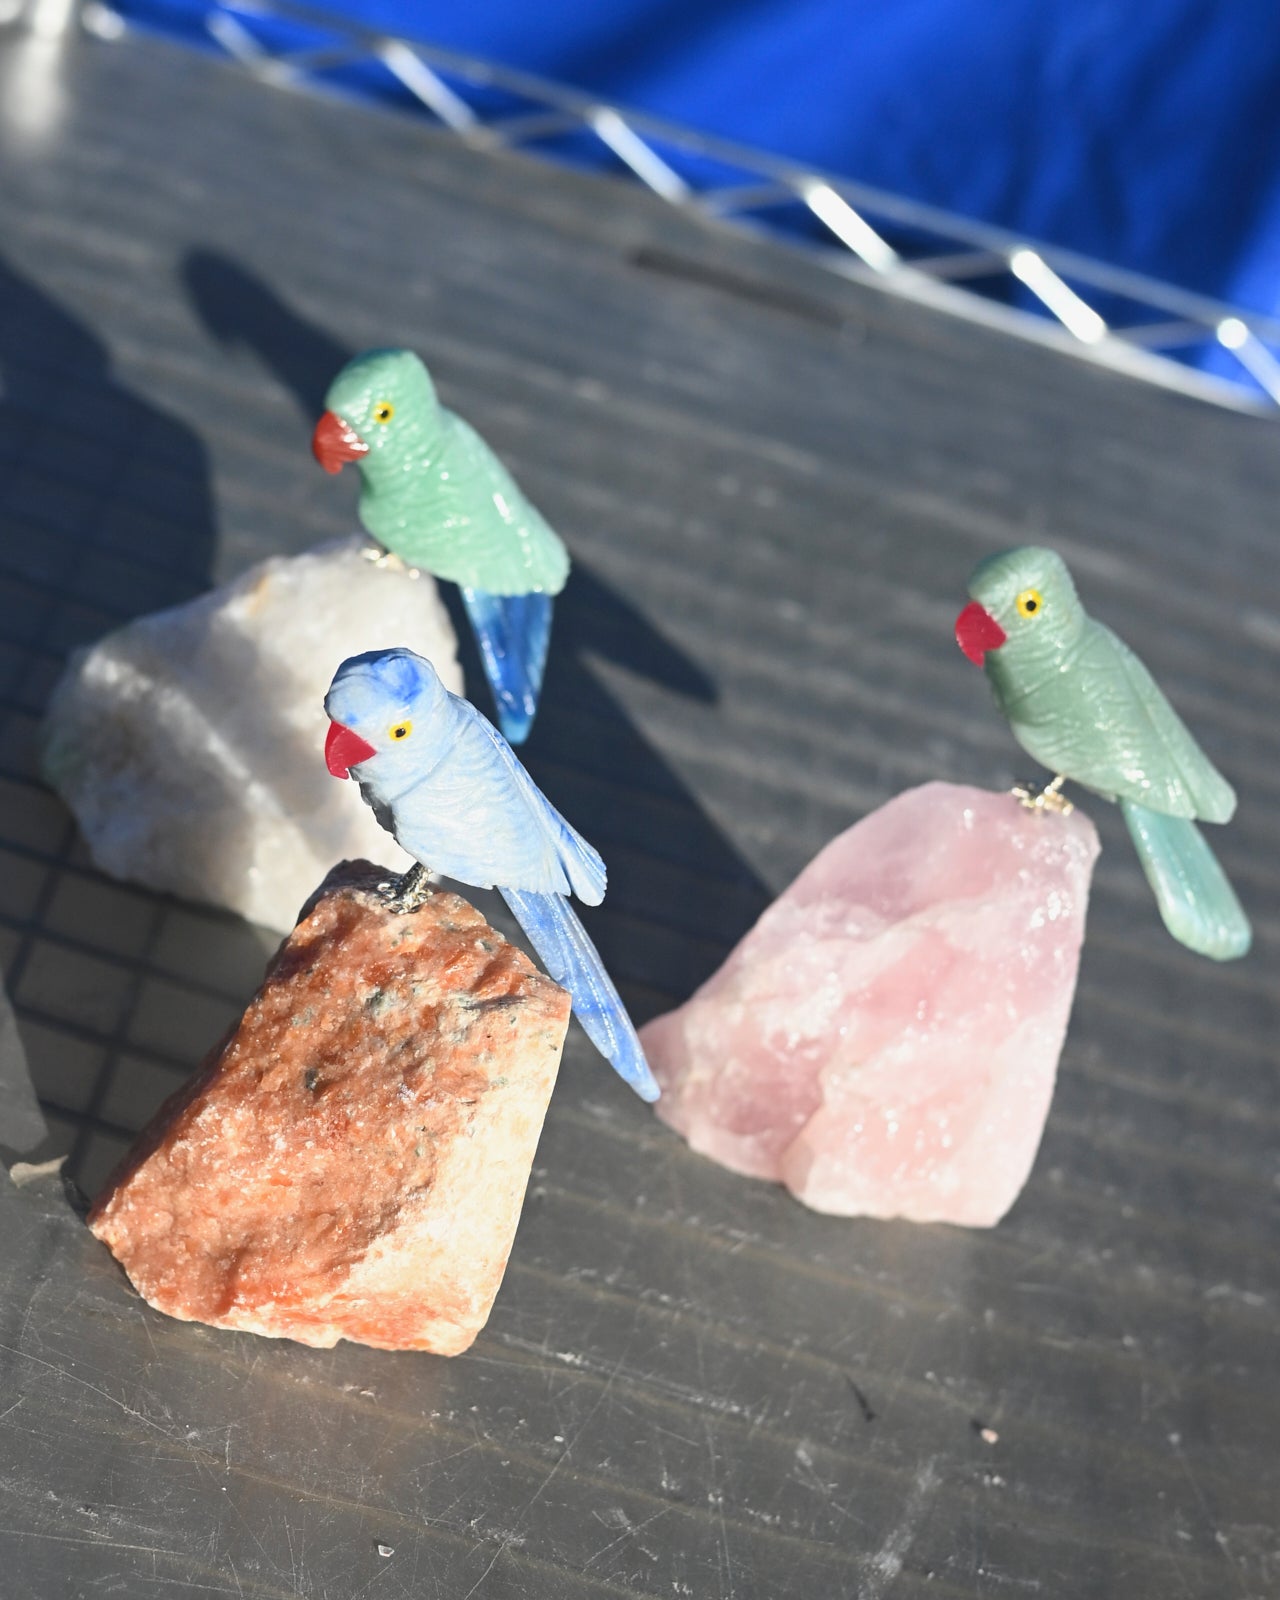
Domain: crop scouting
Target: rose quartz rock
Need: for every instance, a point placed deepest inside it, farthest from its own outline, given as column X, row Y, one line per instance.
column 351, row 1161
column 885, row 1039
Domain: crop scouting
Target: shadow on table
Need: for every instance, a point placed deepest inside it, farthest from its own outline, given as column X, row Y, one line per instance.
column 104, row 496
column 106, row 512
column 684, row 891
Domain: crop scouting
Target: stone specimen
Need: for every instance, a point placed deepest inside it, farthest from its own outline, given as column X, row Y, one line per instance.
column 350, row 1163
column 188, row 743
column 885, row 1039
column 454, row 794
column 433, row 492
column 1080, row 702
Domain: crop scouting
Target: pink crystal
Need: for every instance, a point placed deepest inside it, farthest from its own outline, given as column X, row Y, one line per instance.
column 885, row 1039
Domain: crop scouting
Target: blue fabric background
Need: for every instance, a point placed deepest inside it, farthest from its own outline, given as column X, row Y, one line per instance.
column 1144, row 133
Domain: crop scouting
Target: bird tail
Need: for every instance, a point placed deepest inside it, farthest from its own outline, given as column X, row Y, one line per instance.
column 572, row 960
column 513, row 632
column 1197, row 903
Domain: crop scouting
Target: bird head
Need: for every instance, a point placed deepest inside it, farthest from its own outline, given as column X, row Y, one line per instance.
column 380, row 707
column 1024, row 606
column 378, row 409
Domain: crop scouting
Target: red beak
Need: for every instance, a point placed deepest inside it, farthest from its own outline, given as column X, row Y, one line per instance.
column 344, row 750
column 977, row 631
column 336, row 442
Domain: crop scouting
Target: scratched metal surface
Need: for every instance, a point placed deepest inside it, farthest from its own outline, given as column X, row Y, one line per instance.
column 774, row 484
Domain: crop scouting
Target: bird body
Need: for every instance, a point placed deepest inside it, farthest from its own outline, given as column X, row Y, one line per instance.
column 448, row 786
column 1082, row 704
column 466, row 807
column 434, row 493
column 1100, row 718
column 453, row 509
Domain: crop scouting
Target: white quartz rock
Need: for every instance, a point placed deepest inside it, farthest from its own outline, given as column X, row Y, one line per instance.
column 190, row 743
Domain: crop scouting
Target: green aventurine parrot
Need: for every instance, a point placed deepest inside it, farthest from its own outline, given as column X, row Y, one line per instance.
column 434, row 494
column 1081, row 703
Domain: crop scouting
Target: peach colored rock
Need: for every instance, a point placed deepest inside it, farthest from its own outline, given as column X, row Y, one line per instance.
column 885, row 1040
column 350, row 1163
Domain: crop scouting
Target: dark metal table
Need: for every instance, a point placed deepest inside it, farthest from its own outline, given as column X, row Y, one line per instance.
column 775, row 483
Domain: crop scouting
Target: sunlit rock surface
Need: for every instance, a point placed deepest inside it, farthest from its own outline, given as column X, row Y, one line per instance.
column 190, row 743
column 885, row 1040
column 351, row 1162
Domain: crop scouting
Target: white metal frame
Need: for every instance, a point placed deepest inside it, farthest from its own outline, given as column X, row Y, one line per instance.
column 969, row 275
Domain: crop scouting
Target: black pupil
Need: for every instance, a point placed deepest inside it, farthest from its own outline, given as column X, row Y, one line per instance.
column 1031, row 605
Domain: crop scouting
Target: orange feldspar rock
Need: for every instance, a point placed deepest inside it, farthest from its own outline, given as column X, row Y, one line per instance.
column 351, row 1162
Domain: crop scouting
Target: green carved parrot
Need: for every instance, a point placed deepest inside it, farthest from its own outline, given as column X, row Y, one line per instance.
column 1081, row 703
column 433, row 493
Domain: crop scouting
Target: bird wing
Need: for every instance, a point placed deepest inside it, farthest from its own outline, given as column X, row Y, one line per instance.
column 1106, row 723
column 578, row 864
column 478, row 816
column 464, row 517
column 573, row 961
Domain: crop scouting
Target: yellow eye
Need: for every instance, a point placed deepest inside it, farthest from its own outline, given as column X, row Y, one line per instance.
column 1030, row 603
column 383, row 411
column 402, row 730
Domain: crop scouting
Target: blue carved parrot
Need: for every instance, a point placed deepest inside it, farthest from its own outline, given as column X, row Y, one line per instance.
column 434, row 494
column 441, row 778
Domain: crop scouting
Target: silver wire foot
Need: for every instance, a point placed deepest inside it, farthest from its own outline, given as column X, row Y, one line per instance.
column 388, row 560
column 410, row 891
column 1050, row 798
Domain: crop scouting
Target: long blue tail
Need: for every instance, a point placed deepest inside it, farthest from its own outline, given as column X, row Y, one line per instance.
column 1197, row 903
column 513, row 632
column 572, row 960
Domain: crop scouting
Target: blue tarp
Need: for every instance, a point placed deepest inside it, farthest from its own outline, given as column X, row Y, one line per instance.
column 1144, row 134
